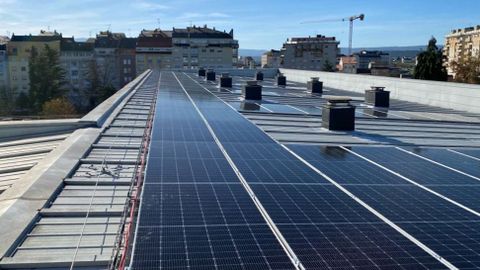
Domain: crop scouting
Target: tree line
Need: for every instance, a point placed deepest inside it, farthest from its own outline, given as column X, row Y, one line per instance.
column 48, row 93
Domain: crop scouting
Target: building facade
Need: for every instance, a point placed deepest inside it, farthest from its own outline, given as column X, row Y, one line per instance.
column 154, row 50
column 311, row 53
column 19, row 50
column 115, row 58
column 272, row 59
column 366, row 59
column 195, row 47
column 76, row 59
column 347, row 64
column 3, row 67
column 461, row 44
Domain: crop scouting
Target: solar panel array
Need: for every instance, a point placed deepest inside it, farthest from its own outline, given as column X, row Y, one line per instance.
column 196, row 213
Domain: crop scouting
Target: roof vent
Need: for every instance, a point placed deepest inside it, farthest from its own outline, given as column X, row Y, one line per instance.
column 259, row 76
column 377, row 97
column 315, row 86
column 338, row 114
column 281, row 80
column 226, row 80
column 211, row 76
column 201, row 72
column 252, row 91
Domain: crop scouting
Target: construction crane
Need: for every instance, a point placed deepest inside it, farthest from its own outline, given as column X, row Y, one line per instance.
column 351, row 19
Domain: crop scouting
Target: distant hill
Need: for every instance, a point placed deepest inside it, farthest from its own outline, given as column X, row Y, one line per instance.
column 251, row 52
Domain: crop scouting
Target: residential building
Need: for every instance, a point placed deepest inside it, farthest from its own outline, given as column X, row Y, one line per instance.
column 19, row 52
column 272, row 59
column 311, row 53
column 154, row 50
column 126, row 61
column 76, row 59
column 461, row 44
column 365, row 59
column 115, row 58
column 347, row 64
column 247, row 62
column 3, row 67
column 195, row 47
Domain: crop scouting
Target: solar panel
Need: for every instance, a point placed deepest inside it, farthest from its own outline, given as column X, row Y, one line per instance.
column 417, row 169
column 325, row 227
column 471, row 152
column 451, row 159
column 427, row 217
column 195, row 214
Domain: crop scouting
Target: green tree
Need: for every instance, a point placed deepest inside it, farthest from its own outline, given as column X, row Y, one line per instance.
column 467, row 70
column 6, row 102
column 327, row 66
column 46, row 77
column 23, row 104
column 430, row 64
column 100, row 89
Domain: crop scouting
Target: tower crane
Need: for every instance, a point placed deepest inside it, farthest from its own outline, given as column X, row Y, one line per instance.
column 351, row 19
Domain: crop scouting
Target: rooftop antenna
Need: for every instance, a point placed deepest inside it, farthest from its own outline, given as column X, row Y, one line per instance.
column 158, row 22
column 108, row 27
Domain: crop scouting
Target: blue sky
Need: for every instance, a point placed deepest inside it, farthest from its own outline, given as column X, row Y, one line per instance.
column 257, row 24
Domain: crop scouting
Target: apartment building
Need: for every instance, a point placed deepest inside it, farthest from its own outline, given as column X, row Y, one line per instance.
column 367, row 59
column 195, row 47
column 76, row 59
column 311, row 53
column 461, row 44
column 115, row 58
column 154, row 50
column 272, row 59
column 19, row 50
column 3, row 67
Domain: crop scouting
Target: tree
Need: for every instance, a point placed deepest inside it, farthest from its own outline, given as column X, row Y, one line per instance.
column 467, row 70
column 6, row 102
column 327, row 66
column 22, row 103
column 58, row 107
column 430, row 64
column 100, row 88
column 46, row 77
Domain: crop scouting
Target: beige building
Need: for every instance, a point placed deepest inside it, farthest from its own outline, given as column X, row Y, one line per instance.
column 154, row 50
column 19, row 50
column 195, row 47
column 272, row 59
column 310, row 53
column 461, row 44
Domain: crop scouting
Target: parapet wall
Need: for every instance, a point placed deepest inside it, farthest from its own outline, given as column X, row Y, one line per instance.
column 457, row 96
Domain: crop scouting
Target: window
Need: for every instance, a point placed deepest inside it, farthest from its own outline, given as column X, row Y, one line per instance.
column 24, row 68
column 74, row 73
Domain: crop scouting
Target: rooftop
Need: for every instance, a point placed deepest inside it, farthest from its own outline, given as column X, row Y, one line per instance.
column 261, row 184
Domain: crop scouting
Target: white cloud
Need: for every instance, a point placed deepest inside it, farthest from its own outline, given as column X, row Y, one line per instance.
column 194, row 15
column 150, row 6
